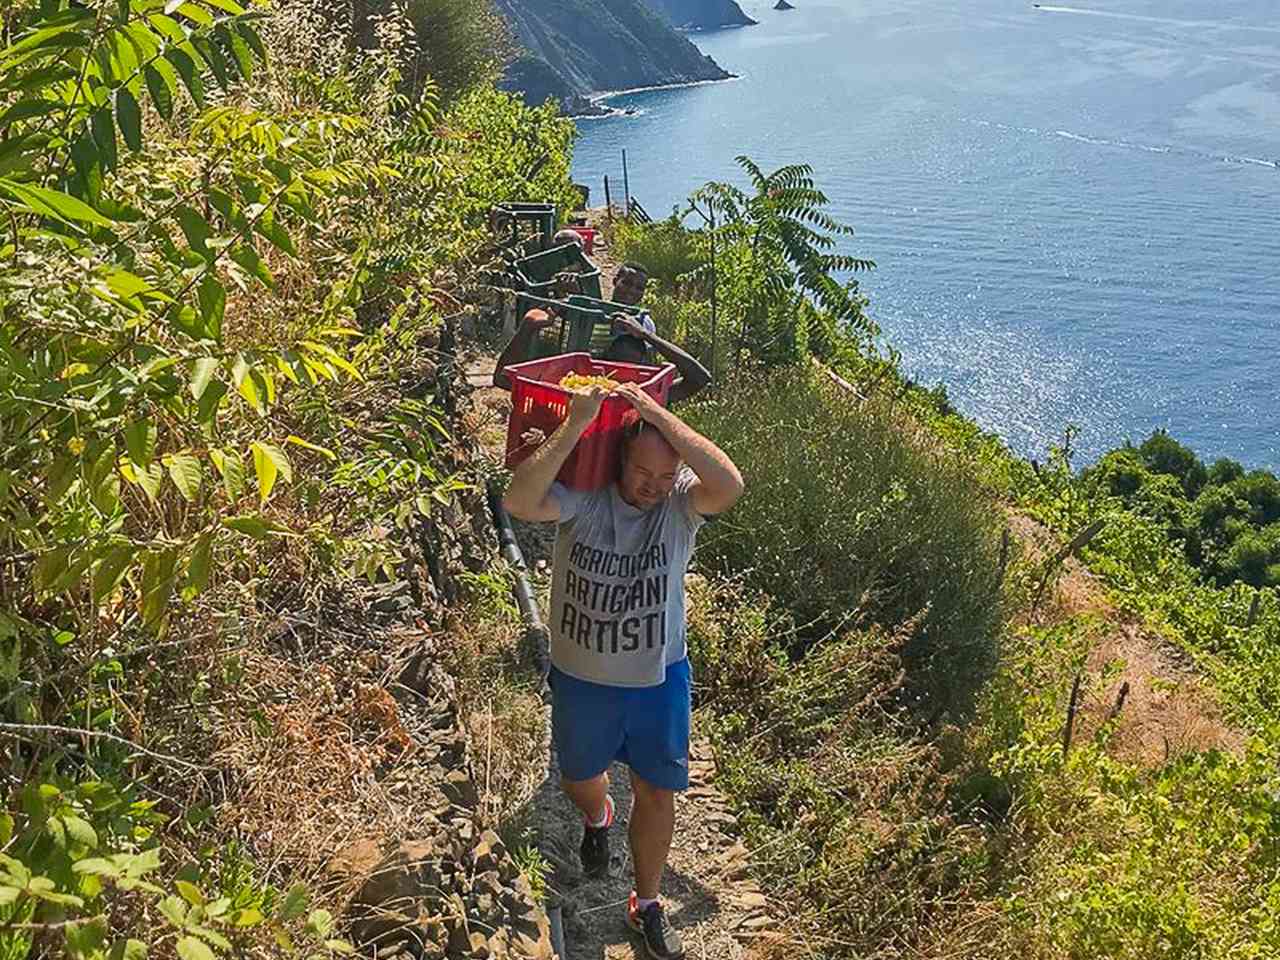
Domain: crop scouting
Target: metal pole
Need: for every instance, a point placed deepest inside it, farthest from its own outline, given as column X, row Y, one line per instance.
column 608, row 200
column 536, row 636
column 555, row 916
column 711, row 206
column 626, row 182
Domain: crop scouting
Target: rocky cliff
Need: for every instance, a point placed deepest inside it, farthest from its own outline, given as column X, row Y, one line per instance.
column 702, row 14
column 572, row 48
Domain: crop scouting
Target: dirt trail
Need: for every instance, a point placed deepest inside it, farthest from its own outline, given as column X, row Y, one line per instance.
column 709, row 895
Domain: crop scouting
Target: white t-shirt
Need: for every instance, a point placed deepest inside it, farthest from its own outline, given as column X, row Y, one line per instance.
column 617, row 584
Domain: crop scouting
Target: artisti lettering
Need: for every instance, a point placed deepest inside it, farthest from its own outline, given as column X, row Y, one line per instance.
column 629, row 635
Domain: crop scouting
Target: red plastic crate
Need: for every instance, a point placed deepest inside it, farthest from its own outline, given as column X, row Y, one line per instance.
column 538, row 401
column 588, row 235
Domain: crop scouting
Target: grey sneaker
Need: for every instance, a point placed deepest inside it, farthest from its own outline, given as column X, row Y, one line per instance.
column 595, row 845
column 661, row 941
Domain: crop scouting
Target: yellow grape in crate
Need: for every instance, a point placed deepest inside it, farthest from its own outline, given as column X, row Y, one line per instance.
column 581, row 382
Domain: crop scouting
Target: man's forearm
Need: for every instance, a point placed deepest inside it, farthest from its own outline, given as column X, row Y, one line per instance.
column 532, row 480
column 715, row 471
column 517, row 351
column 693, row 374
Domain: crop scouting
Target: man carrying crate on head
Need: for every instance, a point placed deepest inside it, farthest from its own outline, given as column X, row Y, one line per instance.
column 620, row 672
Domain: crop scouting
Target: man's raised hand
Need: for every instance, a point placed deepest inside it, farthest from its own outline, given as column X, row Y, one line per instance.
column 584, row 405
column 648, row 408
column 537, row 319
column 621, row 323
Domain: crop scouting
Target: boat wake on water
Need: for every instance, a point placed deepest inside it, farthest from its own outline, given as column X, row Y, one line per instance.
column 1163, row 21
column 1130, row 145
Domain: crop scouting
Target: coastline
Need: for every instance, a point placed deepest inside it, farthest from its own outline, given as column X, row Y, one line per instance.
column 598, row 98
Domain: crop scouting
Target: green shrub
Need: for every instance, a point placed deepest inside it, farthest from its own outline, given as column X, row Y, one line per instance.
column 666, row 249
column 847, row 516
column 1163, row 454
column 459, row 44
column 1224, row 470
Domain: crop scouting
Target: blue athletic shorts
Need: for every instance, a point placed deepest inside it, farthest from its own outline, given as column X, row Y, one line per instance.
column 647, row 728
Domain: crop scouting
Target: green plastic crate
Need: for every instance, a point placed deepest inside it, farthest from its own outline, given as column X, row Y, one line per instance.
column 559, row 337
column 583, row 324
column 516, row 216
column 594, row 321
column 537, row 274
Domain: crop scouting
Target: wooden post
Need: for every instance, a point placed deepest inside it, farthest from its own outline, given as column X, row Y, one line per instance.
column 1119, row 704
column 626, row 183
column 608, row 199
column 1004, row 553
column 1078, row 542
column 1071, row 716
column 1253, row 610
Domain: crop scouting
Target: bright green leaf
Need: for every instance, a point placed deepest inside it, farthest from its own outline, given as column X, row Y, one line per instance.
column 175, row 911
column 189, row 892
column 52, row 203
column 148, row 479
column 189, row 948
column 80, row 831
column 193, row 12
column 315, row 448
column 186, row 474
column 248, row 917
column 267, row 469
column 231, row 467
column 240, row 52
column 96, row 866
column 140, row 439
column 201, row 373
column 129, row 117
column 320, row 923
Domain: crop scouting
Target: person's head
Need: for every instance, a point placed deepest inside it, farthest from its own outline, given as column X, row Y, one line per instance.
column 625, row 348
column 566, row 236
column 629, row 283
column 649, row 463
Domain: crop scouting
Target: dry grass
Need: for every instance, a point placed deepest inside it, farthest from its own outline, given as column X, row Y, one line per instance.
column 312, row 747
column 1167, row 710
column 504, row 714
